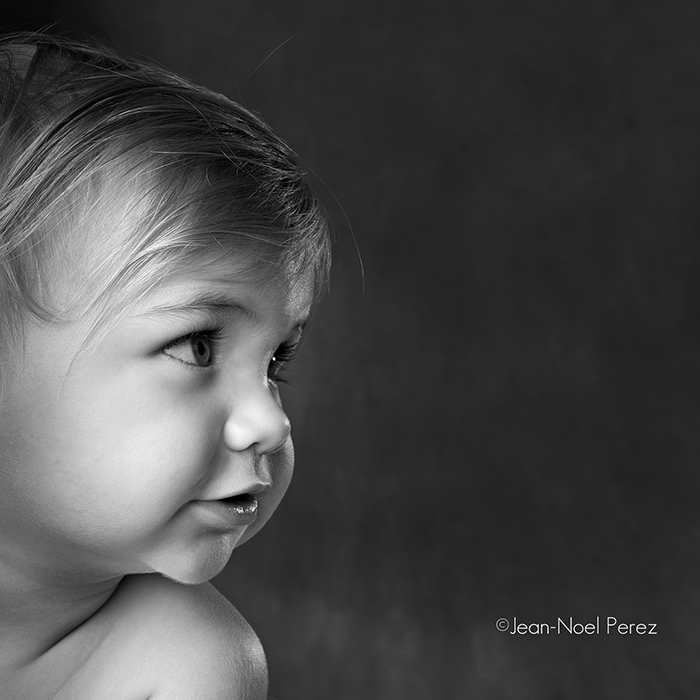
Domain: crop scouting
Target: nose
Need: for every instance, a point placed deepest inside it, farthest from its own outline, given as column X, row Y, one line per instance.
column 256, row 420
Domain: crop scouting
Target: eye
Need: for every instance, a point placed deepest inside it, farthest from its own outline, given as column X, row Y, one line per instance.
column 196, row 349
column 280, row 360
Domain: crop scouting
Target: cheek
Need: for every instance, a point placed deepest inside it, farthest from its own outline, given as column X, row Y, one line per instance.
column 124, row 454
column 91, row 451
column 156, row 454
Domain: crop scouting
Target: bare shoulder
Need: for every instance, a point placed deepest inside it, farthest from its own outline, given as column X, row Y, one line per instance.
column 186, row 642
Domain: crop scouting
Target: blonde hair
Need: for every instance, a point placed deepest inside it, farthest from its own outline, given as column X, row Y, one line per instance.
column 96, row 147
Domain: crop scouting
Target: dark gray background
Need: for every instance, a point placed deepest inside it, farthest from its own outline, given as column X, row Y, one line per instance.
column 504, row 418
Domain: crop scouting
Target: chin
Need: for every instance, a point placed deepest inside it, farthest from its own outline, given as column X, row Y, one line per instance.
column 192, row 568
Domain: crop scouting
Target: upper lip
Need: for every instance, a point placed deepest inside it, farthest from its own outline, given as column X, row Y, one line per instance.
column 257, row 488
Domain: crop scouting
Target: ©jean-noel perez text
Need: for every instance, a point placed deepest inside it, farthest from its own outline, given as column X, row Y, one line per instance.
column 607, row 625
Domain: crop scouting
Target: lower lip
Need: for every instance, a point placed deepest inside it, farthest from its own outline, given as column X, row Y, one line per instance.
column 230, row 514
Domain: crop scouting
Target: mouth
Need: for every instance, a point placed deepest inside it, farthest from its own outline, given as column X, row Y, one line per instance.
column 242, row 503
column 226, row 514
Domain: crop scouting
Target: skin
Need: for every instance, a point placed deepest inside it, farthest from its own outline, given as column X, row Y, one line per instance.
column 111, row 463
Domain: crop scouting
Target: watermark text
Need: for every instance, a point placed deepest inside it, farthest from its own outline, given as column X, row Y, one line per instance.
column 568, row 625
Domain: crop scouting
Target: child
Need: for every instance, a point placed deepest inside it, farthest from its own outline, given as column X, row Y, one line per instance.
column 159, row 254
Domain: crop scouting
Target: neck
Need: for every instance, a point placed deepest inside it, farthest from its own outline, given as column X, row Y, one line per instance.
column 39, row 608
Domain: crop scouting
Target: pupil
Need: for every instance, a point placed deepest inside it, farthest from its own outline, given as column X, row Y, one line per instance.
column 201, row 351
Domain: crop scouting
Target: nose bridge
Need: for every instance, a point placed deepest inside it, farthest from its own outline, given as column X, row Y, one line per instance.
column 256, row 418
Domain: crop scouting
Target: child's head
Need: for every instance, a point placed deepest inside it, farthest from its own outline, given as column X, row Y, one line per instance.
column 114, row 173
column 159, row 252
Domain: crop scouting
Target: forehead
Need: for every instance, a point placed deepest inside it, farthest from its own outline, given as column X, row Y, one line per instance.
column 113, row 272
column 227, row 284
column 127, row 236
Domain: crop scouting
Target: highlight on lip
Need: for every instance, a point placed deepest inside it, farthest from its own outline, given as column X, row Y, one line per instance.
column 234, row 511
column 243, row 501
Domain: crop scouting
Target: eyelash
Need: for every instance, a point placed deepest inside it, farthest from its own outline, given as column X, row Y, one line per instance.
column 284, row 354
column 280, row 359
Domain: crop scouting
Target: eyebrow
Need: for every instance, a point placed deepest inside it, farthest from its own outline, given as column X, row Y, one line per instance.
column 216, row 304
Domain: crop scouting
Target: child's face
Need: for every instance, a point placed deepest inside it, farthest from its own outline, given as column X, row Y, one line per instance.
column 116, row 460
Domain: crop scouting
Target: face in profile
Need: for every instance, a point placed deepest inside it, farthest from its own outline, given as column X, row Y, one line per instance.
column 161, row 445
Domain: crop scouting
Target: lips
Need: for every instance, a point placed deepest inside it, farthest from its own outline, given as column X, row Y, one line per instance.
column 243, row 502
column 229, row 513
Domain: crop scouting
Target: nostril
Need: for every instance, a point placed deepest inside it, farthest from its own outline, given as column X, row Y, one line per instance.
column 278, row 447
